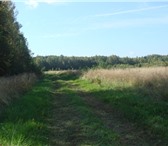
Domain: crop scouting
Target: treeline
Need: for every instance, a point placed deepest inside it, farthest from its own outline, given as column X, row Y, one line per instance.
column 65, row 63
column 14, row 53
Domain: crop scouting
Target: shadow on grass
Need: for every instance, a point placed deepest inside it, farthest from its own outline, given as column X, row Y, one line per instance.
column 23, row 121
column 55, row 106
column 72, row 121
column 149, row 115
column 65, row 123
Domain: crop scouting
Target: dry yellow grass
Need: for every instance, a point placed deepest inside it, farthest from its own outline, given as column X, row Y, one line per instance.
column 150, row 80
column 11, row 87
column 54, row 72
column 61, row 71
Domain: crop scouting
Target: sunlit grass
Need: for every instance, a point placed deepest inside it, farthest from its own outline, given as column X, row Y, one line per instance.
column 23, row 122
column 74, row 119
column 140, row 93
column 150, row 81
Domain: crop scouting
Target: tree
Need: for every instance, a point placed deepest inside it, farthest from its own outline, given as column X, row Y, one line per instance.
column 14, row 53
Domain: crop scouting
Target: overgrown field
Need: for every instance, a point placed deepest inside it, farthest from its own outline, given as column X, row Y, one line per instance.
column 140, row 94
column 98, row 107
column 150, row 81
column 23, row 121
column 12, row 87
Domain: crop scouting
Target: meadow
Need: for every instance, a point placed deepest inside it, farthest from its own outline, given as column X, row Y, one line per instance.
column 152, row 81
column 140, row 94
column 95, row 107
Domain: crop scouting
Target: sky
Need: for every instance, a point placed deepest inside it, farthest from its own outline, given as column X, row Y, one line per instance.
column 78, row 28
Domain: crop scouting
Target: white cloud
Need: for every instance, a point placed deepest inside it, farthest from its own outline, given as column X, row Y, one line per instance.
column 51, row 1
column 32, row 3
column 131, row 11
column 35, row 3
column 138, row 22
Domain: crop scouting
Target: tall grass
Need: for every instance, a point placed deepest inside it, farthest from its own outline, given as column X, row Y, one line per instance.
column 12, row 87
column 24, row 121
column 151, row 81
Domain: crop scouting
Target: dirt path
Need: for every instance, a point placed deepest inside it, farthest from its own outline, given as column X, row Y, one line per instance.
column 129, row 134
column 65, row 123
column 67, row 126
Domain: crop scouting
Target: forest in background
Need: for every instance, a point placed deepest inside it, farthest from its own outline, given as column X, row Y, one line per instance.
column 15, row 57
column 65, row 63
column 78, row 107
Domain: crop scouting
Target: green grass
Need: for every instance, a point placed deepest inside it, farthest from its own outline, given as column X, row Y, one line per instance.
column 151, row 115
column 28, row 120
column 23, row 123
column 74, row 120
column 55, row 113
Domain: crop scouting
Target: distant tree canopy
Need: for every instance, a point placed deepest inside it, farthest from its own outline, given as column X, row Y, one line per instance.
column 14, row 53
column 65, row 63
column 15, row 56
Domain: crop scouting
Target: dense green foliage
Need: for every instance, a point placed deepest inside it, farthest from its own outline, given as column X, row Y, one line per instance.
column 14, row 53
column 64, row 62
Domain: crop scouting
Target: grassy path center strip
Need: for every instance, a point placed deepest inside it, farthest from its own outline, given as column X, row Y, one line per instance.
column 73, row 122
column 63, row 110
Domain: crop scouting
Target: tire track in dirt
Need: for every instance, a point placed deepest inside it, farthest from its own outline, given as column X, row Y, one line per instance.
column 66, row 128
column 64, row 123
column 130, row 134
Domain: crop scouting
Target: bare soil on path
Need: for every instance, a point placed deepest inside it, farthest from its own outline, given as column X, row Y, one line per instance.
column 68, row 129
column 65, row 124
column 130, row 134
